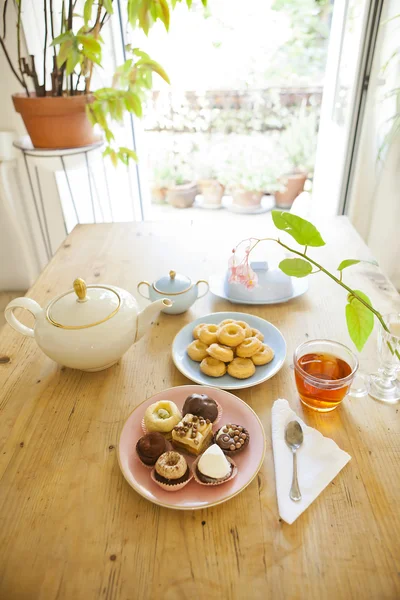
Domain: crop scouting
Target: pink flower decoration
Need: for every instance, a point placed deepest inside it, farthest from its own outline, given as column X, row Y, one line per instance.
column 241, row 272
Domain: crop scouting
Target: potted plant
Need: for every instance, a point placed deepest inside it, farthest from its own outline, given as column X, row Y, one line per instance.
column 299, row 141
column 60, row 108
column 209, row 186
column 181, row 189
column 249, row 182
column 162, row 177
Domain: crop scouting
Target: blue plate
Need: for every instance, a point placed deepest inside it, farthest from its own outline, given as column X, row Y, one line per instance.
column 191, row 369
column 217, row 287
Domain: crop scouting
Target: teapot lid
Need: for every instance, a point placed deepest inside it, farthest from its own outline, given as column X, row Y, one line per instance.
column 83, row 306
column 173, row 284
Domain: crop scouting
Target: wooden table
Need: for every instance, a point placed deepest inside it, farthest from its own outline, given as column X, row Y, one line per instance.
column 72, row 528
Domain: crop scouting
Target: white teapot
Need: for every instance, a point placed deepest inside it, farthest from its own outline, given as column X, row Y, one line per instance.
column 89, row 327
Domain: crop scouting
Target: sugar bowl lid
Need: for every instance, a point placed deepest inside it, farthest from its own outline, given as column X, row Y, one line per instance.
column 173, row 284
column 83, row 306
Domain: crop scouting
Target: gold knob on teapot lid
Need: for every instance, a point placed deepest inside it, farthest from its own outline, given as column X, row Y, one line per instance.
column 80, row 289
column 172, row 274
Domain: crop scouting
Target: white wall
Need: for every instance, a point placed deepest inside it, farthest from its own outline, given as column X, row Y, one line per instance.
column 22, row 253
column 375, row 195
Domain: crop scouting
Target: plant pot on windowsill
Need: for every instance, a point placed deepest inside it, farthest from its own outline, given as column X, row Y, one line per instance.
column 211, row 190
column 56, row 122
column 294, row 183
column 182, row 195
column 158, row 195
column 246, row 198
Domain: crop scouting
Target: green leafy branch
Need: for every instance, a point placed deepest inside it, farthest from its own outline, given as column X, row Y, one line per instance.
column 131, row 82
column 359, row 310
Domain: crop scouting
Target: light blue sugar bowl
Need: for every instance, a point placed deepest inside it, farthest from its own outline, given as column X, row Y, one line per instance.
column 178, row 288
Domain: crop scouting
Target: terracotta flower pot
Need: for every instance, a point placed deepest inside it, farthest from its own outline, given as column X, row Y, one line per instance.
column 182, row 196
column 212, row 191
column 158, row 195
column 56, row 122
column 294, row 186
column 246, row 197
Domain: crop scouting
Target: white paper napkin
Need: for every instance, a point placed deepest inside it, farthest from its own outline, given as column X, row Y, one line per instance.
column 319, row 460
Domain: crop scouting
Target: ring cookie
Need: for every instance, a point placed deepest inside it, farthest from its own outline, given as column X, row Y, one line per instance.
column 213, row 367
column 249, row 347
column 219, row 352
column 241, row 368
column 197, row 350
column 208, row 334
column 231, row 334
column 264, row 356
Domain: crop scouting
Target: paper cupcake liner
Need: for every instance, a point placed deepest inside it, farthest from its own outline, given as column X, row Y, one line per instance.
column 230, row 452
column 171, row 487
column 219, row 416
column 233, row 474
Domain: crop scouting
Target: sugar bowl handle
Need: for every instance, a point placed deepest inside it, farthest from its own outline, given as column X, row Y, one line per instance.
column 139, row 285
column 207, row 290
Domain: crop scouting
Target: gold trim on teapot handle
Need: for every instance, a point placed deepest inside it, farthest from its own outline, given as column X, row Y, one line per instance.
column 208, row 288
column 138, row 289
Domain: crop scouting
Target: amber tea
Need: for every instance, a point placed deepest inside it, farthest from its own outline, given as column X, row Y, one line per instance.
column 322, row 395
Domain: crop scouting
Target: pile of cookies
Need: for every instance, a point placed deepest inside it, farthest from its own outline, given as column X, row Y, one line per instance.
column 232, row 347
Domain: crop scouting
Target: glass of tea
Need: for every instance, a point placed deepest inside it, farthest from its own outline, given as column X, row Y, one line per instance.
column 324, row 372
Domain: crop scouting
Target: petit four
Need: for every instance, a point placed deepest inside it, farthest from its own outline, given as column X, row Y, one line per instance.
column 232, row 439
column 201, row 405
column 162, row 416
column 193, row 434
column 171, row 471
column 213, row 468
column 150, row 447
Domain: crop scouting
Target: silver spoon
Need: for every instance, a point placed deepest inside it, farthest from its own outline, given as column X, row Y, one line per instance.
column 294, row 439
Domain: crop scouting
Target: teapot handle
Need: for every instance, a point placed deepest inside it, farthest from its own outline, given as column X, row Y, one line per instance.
column 33, row 307
column 207, row 290
column 139, row 286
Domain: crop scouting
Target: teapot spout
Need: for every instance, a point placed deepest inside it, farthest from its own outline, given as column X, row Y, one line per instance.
column 149, row 314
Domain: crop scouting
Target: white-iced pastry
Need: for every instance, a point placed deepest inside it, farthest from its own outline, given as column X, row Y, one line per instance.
column 213, row 463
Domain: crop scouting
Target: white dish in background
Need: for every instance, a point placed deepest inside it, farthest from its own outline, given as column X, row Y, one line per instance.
column 217, row 287
column 191, row 369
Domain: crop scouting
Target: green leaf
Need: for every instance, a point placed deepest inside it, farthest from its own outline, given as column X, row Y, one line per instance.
column 72, row 60
column 87, row 11
column 140, row 53
column 130, row 153
column 360, row 320
column 65, row 52
column 64, row 37
column 108, row 6
column 133, row 12
column 89, row 43
column 189, row 3
column 295, row 267
column 347, row 263
column 165, row 13
column 133, row 104
column 154, row 66
column 304, row 232
column 109, row 135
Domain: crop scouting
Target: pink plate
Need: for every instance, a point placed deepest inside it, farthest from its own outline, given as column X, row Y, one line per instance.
column 193, row 496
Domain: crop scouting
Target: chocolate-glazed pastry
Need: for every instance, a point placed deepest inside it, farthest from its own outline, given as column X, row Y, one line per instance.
column 150, row 447
column 232, row 439
column 201, row 405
